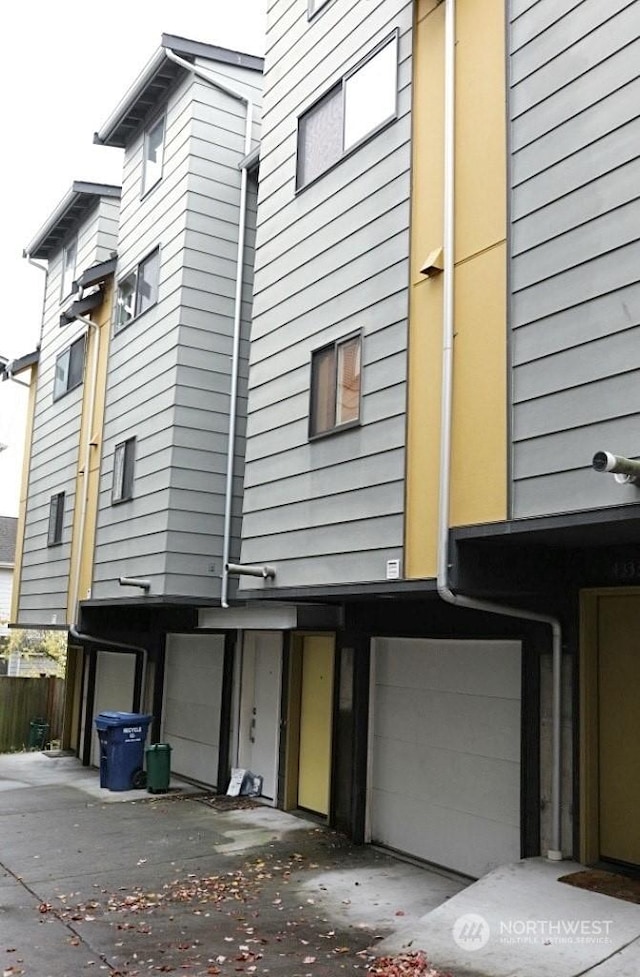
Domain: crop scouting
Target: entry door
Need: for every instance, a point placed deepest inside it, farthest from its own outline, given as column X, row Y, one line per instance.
column 115, row 680
column 260, row 707
column 316, row 712
column 619, row 728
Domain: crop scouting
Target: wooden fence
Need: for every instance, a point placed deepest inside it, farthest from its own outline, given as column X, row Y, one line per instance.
column 23, row 700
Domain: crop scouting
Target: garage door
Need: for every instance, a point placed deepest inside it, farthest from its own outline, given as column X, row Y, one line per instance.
column 115, row 680
column 445, row 751
column 192, row 700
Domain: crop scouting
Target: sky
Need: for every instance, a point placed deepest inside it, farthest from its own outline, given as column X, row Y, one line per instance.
column 64, row 68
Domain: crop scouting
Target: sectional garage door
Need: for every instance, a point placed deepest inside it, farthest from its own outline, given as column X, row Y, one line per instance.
column 445, row 751
column 192, row 699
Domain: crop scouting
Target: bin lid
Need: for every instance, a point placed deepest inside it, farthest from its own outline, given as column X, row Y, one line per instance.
column 116, row 719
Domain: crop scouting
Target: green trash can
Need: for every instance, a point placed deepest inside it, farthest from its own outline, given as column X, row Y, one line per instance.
column 158, row 760
column 38, row 734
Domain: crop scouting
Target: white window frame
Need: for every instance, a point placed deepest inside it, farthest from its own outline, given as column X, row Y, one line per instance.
column 314, row 6
column 147, row 183
column 132, row 307
column 56, row 519
column 335, row 348
column 68, row 271
column 124, row 458
column 60, row 389
column 342, row 85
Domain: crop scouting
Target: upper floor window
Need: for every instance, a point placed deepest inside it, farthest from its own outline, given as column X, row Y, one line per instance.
column 69, row 258
column 138, row 290
column 362, row 102
column 335, row 386
column 69, row 368
column 153, row 153
column 123, row 465
column 56, row 516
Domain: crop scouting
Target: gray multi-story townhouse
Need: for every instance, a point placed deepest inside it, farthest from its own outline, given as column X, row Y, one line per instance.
column 134, row 485
column 410, row 603
column 440, row 438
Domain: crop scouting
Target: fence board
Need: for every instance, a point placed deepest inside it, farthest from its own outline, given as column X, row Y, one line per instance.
column 23, row 700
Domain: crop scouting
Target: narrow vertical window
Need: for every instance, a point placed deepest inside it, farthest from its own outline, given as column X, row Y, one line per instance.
column 147, row 284
column 335, row 386
column 69, row 370
column 69, row 257
column 153, row 153
column 56, row 516
column 123, row 465
column 138, row 290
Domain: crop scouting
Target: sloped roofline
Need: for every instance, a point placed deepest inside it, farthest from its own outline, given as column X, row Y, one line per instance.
column 73, row 205
column 156, row 78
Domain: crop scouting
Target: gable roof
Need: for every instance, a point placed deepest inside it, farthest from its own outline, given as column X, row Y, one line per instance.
column 8, row 529
column 156, row 79
column 80, row 198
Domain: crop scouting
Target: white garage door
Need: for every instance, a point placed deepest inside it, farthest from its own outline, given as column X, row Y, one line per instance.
column 445, row 751
column 192, row 699
column 115, row 680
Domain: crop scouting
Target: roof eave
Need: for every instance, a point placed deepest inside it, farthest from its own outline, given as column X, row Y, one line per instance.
column 78, row 189
column 113, row 132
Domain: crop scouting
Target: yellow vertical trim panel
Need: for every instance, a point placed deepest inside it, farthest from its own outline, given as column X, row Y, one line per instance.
column 24, row 493
column 479, row 448
column 425, row 299
column 82, row 563
column 481, row 160
column 479, row 443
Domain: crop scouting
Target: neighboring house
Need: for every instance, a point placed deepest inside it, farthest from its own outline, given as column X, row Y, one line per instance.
column 142, row 475
column 8, row 527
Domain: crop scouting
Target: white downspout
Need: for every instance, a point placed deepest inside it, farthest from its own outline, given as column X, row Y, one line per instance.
column 91, row 326
column 444, row 589
column 237, row 310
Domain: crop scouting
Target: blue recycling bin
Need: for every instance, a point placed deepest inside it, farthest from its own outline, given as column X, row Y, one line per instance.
column 122, row 736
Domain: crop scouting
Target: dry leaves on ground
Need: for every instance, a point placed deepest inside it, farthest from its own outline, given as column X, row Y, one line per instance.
column 405, row 965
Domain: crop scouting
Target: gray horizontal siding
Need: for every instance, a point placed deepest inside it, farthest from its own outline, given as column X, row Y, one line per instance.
column 55, row 446
column 169, row 371
column 330, row 259
column 575, row 303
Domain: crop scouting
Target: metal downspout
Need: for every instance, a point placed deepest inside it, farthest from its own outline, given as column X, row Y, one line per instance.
column 237, row 311
column 91, row 326
column 444, row 589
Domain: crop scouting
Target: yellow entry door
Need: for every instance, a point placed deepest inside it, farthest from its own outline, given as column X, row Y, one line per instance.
column 316, row 711
column 619, row 728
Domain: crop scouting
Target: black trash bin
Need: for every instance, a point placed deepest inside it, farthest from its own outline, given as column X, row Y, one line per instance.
column 38, row 734
column 122, row 736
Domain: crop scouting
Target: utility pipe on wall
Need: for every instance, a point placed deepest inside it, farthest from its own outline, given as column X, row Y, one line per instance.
column 446, row 416
column 237, row 310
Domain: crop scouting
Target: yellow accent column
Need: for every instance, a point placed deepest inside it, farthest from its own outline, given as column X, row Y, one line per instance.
column 316, row 714
column 81, row 563
column 479, row 448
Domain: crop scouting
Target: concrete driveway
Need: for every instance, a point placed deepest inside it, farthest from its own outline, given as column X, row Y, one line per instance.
column 132, row 883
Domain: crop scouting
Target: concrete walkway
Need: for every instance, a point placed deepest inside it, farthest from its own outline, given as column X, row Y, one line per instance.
column 131, row 883
column 519, row 921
